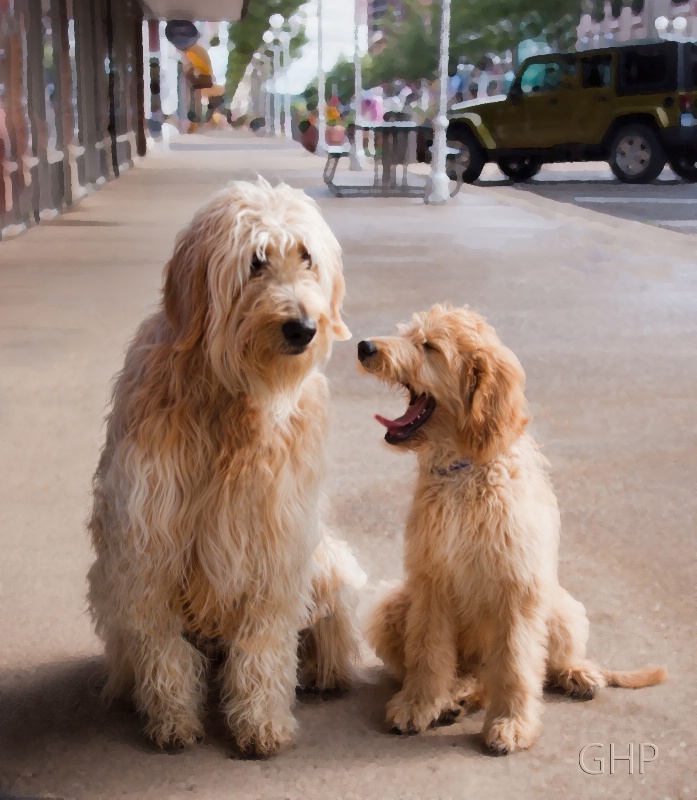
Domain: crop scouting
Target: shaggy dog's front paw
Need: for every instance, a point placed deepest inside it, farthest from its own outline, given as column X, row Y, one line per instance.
column 406, row 714
column 266, row 740
column 173, row 732
column 507, row 734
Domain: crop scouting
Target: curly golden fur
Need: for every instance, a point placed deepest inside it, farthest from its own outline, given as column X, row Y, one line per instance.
column 481, row 618
column 205, row 519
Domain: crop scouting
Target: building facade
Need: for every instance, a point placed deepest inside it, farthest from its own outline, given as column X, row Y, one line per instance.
column 71, row 102
column 624, row 23
column 378, row 10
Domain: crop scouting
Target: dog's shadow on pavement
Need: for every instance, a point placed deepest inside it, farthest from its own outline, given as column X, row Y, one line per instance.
column 61, row 702
column 52, row 723
column 56, row 708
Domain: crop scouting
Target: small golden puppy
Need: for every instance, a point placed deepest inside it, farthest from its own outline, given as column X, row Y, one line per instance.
column 206, row 516
column 481, row 618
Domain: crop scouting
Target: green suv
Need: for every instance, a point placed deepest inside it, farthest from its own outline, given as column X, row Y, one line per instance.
column 633, row 105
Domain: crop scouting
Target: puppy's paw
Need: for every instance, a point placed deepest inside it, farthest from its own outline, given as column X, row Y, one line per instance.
column 407, row 714
column 176, row 732
column 507, row 734
column 265, row 740
column 582, row 682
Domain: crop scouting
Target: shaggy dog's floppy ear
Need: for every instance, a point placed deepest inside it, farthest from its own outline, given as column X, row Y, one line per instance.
column 339, row 329
column 493, row 401
column 202, row 254
column 185, row 290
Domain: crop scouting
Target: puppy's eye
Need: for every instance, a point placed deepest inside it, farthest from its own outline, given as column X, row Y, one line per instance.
column 257, row 264
column 429, row 346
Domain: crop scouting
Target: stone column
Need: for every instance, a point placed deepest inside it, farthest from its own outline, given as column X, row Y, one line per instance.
column 36, row 104
column 65, row 123
column 86, row 64
column 139, row 82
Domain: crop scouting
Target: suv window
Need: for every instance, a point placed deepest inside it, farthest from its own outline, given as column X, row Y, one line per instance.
column 546, row 76
column 596, row 72
column 646, row 69
column 691, row 66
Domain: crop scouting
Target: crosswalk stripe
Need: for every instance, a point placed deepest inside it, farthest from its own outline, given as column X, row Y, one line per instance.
column 687, row 201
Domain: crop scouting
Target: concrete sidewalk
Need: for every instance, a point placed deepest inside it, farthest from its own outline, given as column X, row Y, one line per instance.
column 603, row 316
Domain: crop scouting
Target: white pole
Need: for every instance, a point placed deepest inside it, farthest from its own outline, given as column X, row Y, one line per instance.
column 268, row 122
column 286, row 97
column 321, row 87
column 276, row 97
column 357, row 157
column 440, row 184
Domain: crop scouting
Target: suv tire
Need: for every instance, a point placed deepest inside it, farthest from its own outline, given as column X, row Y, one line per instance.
column 471, row 159
column 520, row 168
column 684, row 166
column 636, row 154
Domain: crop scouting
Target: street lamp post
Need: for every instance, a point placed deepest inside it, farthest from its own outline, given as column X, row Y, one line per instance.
column 357, row 156
column 440, row 184
column 263, row 65
column 284, row 38
column 670, row 28
column 321, row 88
column 270, row 41
column 277, row 33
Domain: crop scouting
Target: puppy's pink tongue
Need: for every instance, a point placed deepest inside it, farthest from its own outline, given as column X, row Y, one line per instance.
column 407, row 418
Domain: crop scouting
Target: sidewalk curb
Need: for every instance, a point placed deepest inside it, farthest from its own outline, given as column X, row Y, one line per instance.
column 618, row 227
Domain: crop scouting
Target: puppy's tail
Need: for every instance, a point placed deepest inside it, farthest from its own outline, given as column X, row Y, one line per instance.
column 637, row 678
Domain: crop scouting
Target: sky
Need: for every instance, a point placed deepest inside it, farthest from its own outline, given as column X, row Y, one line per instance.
column 337, row 40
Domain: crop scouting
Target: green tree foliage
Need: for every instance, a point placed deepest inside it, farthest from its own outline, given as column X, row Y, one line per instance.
column 411, row 49
column 478, row 28
column 341, row 77
column 246, row 36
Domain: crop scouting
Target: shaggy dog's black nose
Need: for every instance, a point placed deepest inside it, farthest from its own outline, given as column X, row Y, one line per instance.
column 299, row 332
column 366, row 350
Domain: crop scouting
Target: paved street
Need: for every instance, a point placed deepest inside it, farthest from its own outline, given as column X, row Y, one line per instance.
column 602, row 312
column 668, row 202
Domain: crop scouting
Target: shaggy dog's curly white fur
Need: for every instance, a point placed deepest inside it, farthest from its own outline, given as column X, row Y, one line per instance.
column 481, row 617
column 205, row 519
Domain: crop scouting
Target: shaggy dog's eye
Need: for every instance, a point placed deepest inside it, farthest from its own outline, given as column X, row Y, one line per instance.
column 429, row 346
column 306, row 257
column 257, row 264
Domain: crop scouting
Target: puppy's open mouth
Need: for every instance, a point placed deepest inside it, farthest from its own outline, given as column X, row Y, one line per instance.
column 403, row 428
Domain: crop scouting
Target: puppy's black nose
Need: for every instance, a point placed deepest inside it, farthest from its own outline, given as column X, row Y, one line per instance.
column 299, row 332
column 366, row 349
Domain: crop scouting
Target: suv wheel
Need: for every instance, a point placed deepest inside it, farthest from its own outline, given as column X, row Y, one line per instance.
column 636, row 154
column 469, row 162
column 685, row 167
column 520, row 168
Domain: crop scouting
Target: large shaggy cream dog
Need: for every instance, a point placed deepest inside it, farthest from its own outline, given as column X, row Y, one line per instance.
column 205, row 518
column 481, row 617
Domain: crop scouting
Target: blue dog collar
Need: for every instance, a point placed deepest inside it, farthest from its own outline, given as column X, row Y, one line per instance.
column 455, row 467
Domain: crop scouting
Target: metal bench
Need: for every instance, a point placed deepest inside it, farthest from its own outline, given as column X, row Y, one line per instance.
column 399, row 142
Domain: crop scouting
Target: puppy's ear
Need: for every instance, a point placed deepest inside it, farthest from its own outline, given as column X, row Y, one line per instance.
column 339, row 329
column 185, row 293
column 493, row 402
